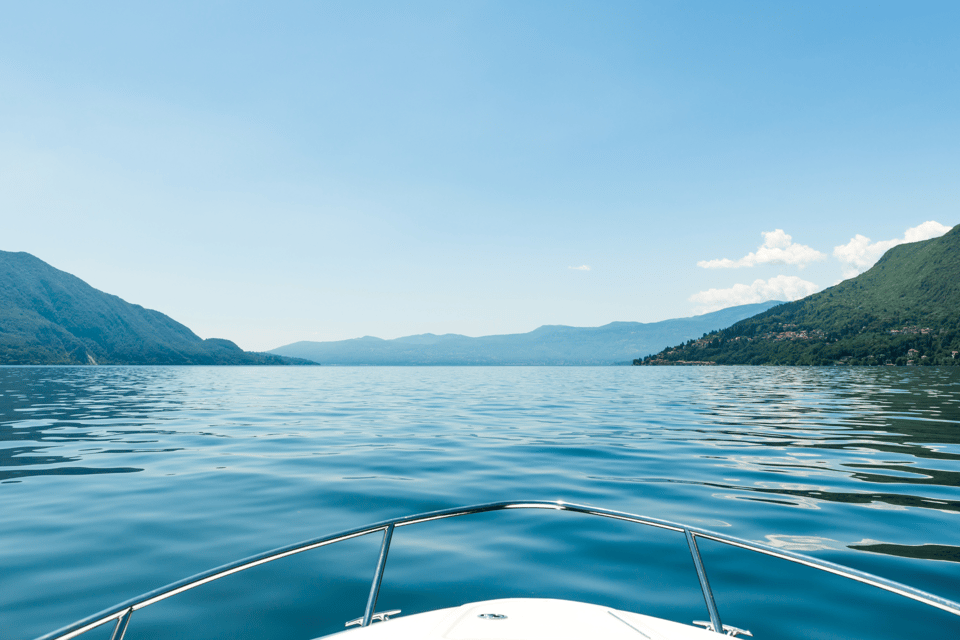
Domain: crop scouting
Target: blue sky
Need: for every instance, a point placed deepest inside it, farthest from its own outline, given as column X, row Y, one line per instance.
column 326, row 170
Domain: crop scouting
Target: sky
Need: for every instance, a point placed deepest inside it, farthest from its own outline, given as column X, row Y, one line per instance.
column 285, row 171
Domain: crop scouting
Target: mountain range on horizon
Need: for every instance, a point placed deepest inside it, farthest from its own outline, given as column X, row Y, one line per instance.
column 904, row 310
column 613, row 343
column 50, row 317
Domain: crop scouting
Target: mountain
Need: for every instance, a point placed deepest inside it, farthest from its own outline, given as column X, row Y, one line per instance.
column 904, row 310
column 48, row 316
column 617, row 342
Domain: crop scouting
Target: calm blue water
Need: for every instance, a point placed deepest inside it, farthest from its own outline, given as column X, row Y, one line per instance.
column 116, row 480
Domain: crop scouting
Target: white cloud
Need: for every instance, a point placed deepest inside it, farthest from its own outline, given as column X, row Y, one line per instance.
column 778, row 288
column 778, row 248
column 582, row 267
column 860, row 254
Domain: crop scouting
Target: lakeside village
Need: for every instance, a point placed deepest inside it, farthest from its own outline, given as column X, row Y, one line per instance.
column 789, row 332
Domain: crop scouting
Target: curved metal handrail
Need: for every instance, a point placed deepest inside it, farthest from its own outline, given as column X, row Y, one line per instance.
column 123, row 611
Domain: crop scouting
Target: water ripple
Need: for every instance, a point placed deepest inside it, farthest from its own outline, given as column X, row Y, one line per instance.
column 118, row 479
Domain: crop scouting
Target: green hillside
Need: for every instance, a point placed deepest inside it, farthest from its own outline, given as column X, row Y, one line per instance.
column 905, row 310
column 48, row 316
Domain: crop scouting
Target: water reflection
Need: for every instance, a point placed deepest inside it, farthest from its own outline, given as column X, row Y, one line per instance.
column 167, row 471
column 941, row 552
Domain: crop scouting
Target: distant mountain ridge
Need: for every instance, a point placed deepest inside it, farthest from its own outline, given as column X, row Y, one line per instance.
column 614, row 343
column 48, row 316
column 905, row 310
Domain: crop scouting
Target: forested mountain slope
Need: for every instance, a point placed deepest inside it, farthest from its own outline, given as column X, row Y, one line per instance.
column 904, row 310
column 48, row 316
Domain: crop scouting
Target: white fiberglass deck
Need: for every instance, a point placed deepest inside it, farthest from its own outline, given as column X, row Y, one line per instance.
column 526, row 619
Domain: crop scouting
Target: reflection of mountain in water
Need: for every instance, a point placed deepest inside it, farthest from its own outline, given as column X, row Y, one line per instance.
column 66, row 416
column 940, row 552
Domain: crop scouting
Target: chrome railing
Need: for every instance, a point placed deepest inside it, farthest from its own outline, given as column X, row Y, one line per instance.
column 123, row 612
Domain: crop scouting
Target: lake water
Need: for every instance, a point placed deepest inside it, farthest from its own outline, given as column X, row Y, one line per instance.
column 117, row 480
